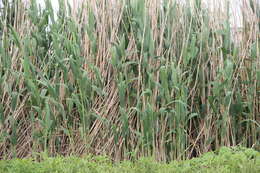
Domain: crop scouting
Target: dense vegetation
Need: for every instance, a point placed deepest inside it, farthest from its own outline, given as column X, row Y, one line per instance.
column 127, row 79
column 237, row 160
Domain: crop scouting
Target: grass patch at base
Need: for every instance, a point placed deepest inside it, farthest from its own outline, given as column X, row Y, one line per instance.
column 225, row 160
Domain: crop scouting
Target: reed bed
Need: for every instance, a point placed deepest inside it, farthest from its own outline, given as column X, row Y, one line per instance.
column 127, row 79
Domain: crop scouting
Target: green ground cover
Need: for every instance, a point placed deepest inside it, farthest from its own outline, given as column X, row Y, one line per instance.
column 237, row 160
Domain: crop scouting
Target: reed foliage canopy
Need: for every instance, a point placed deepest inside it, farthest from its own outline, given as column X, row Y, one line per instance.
column 127, row 79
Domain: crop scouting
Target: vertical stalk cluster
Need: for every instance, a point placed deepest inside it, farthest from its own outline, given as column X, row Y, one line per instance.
column 128, row 79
